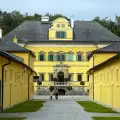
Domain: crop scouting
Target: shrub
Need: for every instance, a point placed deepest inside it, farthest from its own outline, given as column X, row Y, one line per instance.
column 82, row 83
column 69, row 88
column 66, row 79
column 55, row 79
column 39, row 82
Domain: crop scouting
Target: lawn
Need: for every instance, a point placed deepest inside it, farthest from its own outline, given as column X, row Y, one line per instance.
column 29, row 106
column 90, row 106
column 12, row 118
column 106, row 118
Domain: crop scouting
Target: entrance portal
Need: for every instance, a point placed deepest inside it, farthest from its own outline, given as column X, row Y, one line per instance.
column 61, row 91
column 60, row 77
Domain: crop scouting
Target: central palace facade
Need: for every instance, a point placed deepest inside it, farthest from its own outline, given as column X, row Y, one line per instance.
column 62, row 48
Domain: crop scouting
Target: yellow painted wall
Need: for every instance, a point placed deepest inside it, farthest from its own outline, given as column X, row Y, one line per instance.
column 107, row 84
column 74, row 66
column 15, row 83
column 67, row 29
column 26, row 56
column 99, row 58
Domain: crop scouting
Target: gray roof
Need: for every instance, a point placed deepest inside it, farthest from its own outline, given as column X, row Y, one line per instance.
column 103, row 63
column 84, row 31
column 114, row 47
column 8, row 45
column 13, row 58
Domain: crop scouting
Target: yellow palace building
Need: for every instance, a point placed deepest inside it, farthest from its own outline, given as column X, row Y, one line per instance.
column 61, row 49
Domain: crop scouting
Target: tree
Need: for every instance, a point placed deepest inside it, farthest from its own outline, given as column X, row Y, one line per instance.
column 82, row 83
column 10, row 20
column 51, row 88
column 113, row 26
column 66, row 79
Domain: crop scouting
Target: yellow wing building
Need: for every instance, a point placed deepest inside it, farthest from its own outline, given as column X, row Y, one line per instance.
column 61, row 49
column 104, row 76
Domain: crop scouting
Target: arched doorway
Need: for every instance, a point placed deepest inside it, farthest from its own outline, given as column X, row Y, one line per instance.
column 60, row 76
column 61, row 91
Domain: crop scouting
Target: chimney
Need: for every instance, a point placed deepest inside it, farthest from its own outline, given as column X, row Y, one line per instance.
column 45, row 18
column 72, row 21
column 15, row 39
column 0, row 33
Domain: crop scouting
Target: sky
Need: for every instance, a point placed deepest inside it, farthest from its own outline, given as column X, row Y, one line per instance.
column 80, row 9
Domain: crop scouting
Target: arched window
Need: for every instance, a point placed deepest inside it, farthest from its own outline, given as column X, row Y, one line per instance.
column 34, row 56
column 87, row 55
column 41, row 56
column 61, row 56
column 79, row 56
column 51, row 56
column 70, row 56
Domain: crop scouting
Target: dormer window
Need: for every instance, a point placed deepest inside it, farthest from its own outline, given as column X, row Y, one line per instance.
column 58, row 25
column 60, row 34
column 63, row 25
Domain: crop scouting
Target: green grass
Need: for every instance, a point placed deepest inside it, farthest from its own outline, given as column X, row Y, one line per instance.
column 90, row 106
column 29, row 106
column 12, row 118
column 106, row 118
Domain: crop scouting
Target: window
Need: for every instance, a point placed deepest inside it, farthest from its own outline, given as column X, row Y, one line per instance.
column 34, row 56
column 79, row 77
column 88, row 78
column 61, row 57
column 41, row 77
column 70, row 56
column 79, row 56
column 58, row 57
column 50, row 57
column 71, row 77
column 87, row 55
column 60, row 34
column 50, row 77
column 63, row 25
column 41, row 56
column 36, row 78
column 58, row 25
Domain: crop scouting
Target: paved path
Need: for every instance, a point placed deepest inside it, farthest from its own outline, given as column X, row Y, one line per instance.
column 65, row 108
column 60, row 110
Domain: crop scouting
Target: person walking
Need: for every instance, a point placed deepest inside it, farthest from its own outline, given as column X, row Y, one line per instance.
column 51, row 94
column 56, row 93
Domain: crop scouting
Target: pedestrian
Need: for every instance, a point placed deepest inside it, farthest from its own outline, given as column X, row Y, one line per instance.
column 51, row 94
column 56, row 93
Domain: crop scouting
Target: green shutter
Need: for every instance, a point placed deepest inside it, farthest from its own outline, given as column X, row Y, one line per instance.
column 70, row 57
column 82, row 56
column 76, row 57
column 39, row 57
column 86, row 57
column 44, row 57
column 48, row 57
column 64, row 34
column 54, row 57
column 65, row 56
